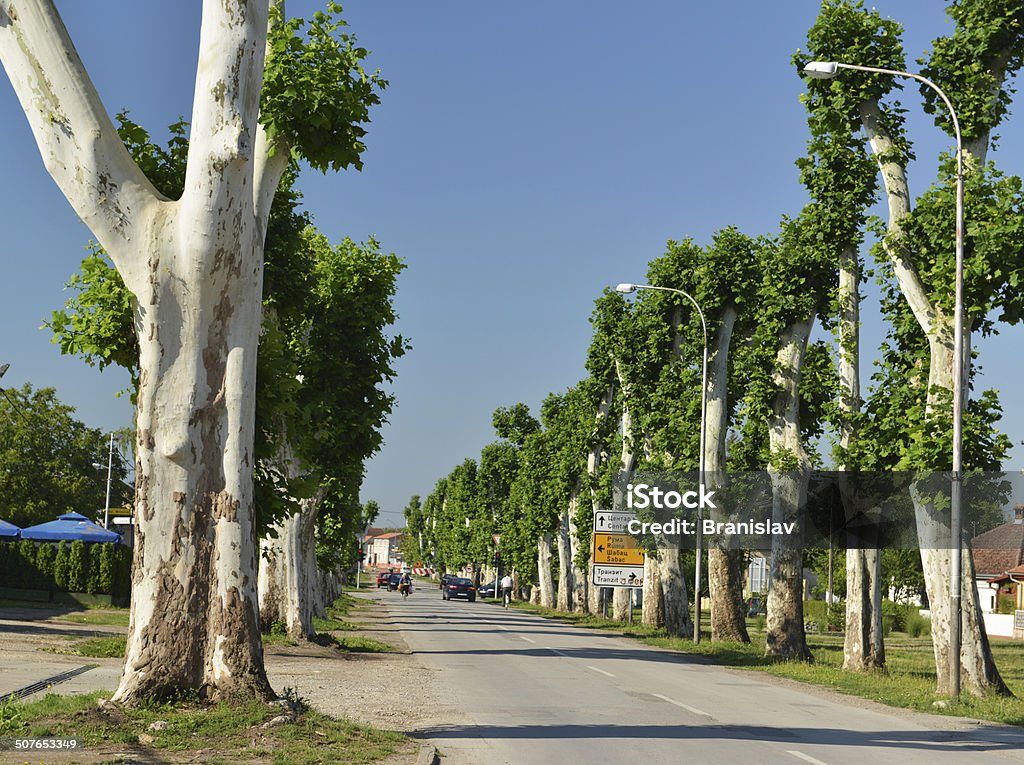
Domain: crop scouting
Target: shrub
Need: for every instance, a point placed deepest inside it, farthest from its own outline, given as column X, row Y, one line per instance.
column 93, row 579
column 45, row 556
column 1005, row 604
column 78, row 566
column 917, row 625
column 107, row 562
column 60, row 566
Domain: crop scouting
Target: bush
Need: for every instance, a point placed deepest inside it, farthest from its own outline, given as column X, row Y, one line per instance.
column 917, row 625
column 60, row 566
column 92, row 580
column 1005, row 604
column 108, row 561
column 26, row 563
column 44, row 564
column 78, row 566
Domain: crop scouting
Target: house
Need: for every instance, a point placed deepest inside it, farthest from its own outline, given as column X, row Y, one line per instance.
column 997, row 553
column 383, row 548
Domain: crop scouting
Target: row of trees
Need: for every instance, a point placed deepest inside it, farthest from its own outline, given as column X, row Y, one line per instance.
column 778, row 400
column 212, row 261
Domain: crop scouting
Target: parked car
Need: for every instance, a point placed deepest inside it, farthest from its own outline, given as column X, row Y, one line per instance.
column 487, row 590
column 382, row 579
column 393, row 579
column 459, row 588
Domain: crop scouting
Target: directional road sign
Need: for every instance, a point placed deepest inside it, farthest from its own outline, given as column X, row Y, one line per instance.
column 617, row 576
column 612, row 523
column 617, row 549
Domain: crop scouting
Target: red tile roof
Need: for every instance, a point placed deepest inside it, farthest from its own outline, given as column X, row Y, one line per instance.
column 999, row 550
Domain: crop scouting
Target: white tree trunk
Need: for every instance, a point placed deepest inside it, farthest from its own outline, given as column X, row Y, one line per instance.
column 545, row 582
column 725, row 566
column 581, row 580
column 566, row 584
column 863, row 642
column 785, row 636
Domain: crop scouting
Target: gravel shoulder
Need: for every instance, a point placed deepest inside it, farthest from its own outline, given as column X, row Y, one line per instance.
column 387, row 690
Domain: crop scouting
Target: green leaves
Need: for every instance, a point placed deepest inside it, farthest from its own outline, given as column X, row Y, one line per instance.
column 316, row 95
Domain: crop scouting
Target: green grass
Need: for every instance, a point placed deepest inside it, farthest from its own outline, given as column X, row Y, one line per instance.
column 97, row 617
column 107, row 647
column 222, row 733
column 907, row 682
column 355, row 643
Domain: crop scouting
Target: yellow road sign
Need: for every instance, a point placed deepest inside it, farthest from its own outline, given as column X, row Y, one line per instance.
column 617, row 549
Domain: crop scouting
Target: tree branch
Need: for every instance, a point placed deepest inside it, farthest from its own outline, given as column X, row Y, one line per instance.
column 78, row 142
column 897, row 191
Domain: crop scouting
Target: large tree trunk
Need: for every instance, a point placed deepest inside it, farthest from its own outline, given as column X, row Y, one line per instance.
column 978, row 673
column 566, row 585
column 785, row 636
column 863, row 642
column 652, row 612
column 622, row 603
column 725, row 566
column 581, row 581
column 545, row 581
column 725, row 580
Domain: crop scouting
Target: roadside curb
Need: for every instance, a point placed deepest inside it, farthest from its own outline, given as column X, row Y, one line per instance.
column 428, row 755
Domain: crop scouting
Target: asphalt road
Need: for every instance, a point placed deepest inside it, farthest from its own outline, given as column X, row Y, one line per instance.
column 534, row 691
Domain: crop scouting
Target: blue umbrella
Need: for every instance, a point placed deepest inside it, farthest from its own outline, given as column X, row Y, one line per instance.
column 70, row 526
column 8, row 530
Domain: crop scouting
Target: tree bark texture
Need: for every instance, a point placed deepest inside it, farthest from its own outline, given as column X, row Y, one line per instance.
column 785, row 637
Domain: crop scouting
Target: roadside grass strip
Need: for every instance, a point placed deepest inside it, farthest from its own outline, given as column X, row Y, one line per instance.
column 222, row 733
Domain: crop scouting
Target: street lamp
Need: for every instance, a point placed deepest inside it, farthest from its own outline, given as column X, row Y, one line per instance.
column 110, row 470
column 823, row 70
column 627, row 289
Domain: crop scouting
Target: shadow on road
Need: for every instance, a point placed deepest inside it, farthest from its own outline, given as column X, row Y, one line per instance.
column 995, row 739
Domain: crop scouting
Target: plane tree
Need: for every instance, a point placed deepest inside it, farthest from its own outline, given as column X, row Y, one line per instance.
column 194, row 268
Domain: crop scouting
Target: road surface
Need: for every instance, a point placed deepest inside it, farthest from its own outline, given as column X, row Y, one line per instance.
column 532, row 691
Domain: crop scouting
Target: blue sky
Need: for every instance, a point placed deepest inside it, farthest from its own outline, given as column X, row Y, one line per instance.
column 524, row 157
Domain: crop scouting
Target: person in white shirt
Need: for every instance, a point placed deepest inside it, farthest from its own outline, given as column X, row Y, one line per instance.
column 506, row 590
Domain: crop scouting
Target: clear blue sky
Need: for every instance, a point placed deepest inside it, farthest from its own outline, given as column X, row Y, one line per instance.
column 525, row 156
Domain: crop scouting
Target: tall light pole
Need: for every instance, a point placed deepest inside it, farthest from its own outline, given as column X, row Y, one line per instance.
column 626, row 289
column 110, row 473
column 824, row 70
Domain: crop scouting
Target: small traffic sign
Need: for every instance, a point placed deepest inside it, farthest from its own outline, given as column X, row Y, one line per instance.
column 617, row 549
column 612, row 523
column 617, row 576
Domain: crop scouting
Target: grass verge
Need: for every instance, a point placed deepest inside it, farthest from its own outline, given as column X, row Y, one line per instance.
column 213, row 733
column 908, row 682
column 100, row 648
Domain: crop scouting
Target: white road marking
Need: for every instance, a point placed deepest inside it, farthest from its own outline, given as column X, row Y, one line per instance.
column 500, row 627
column 555, row 650
column 805, row 757
column 687, row 707
column 528, row 640
column 609, row 674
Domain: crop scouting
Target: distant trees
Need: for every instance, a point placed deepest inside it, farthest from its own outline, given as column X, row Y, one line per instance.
column 48, row 458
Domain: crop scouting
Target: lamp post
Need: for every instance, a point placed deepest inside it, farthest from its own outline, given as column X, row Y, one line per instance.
column 824, row 70
column 110, row 472
column 626, row 289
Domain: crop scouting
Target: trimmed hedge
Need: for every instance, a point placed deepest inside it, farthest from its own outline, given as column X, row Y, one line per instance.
column 77, row 567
